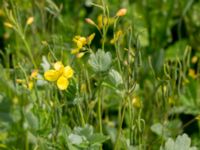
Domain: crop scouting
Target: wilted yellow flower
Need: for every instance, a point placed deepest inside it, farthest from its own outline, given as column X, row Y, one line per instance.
column 79, row 55
column 1, row 12
column 90, row 38
column 44, row 43
column 136, row 102
column 104, row 21
column 197, row 117
column 7, row 24
column 20, row 81
column 83, row 87
column 30, row 20
column 121, row 12
column 34, row 74
column 30, row 85
column 192, row 73
column 117, row 35
column 171, row 100
column 194, row 59
column 60, row 74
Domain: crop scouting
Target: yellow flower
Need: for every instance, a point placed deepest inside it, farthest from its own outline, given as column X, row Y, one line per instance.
column 136, row 102
column 102, row 21
column 7, row 24
column 34, row 74
column 117, row 35
column 192, row 73
column 194, row 59
column 60, row 74
column 90, row 38
column 80, row 41
column 30, row 20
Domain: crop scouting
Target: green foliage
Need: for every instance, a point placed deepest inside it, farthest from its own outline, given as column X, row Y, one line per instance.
column 133, row 83
column 182, row 142
column 100, row 61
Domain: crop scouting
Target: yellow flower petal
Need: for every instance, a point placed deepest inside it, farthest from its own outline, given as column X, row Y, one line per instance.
column 75, row 51
column 58, row 66
column 79, row 44
column 30, row 20
column 7, row 24
column 51, row 75
column 62, row 83
column 68, row 72
column 79, row 55
column 90, row 38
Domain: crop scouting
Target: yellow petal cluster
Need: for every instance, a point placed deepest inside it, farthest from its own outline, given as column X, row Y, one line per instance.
column 60, row 74
column 117, row 35
column 29, row 83
column 80, row 42
column 136, row 102
column 102, row 21
column 30, row 20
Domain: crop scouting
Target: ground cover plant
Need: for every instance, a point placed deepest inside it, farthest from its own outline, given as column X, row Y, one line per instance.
column 99, row 75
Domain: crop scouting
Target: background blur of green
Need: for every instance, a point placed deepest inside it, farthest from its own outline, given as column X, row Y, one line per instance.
column 164, row 29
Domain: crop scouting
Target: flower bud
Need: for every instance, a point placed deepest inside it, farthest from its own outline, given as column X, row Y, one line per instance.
column 121, row 12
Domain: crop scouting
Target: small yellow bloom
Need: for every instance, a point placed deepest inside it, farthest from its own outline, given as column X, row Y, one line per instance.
column 75, row 51
column 197, row 117
column 60, row 74
column 34, row 74
column 117, row 35
column 171, row 100
column 80, row 41
column 30, row 20
column 1, row 12
column 104, row 21
column 194, row 59
column 30, row 85
column 20, row 81
column 121, row 12
column 136, row 102
column 90, row 38
column 79, row 55
column 192, row 73
column 7, row 24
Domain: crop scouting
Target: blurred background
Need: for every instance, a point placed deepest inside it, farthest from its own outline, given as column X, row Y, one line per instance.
column 164, row 29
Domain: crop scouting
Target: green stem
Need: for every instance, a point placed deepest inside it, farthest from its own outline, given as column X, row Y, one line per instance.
column 99, row 112
column 26, row 142
column 29, row 51
column 121, row 119
column 81, row 113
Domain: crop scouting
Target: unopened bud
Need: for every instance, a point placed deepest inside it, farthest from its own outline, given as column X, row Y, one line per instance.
column 29, row 20
column 89, row 21
column 121, row 12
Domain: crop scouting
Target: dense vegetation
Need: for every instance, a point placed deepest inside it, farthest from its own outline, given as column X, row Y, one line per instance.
column 99, row 74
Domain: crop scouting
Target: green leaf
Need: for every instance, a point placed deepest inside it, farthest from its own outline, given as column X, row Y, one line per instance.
column 76, row 139
column 115, row 77
column 182, row 142
column 97, row 139
column 86, row 131
column 176, row 50
column 32, row 120
column 100, row 61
